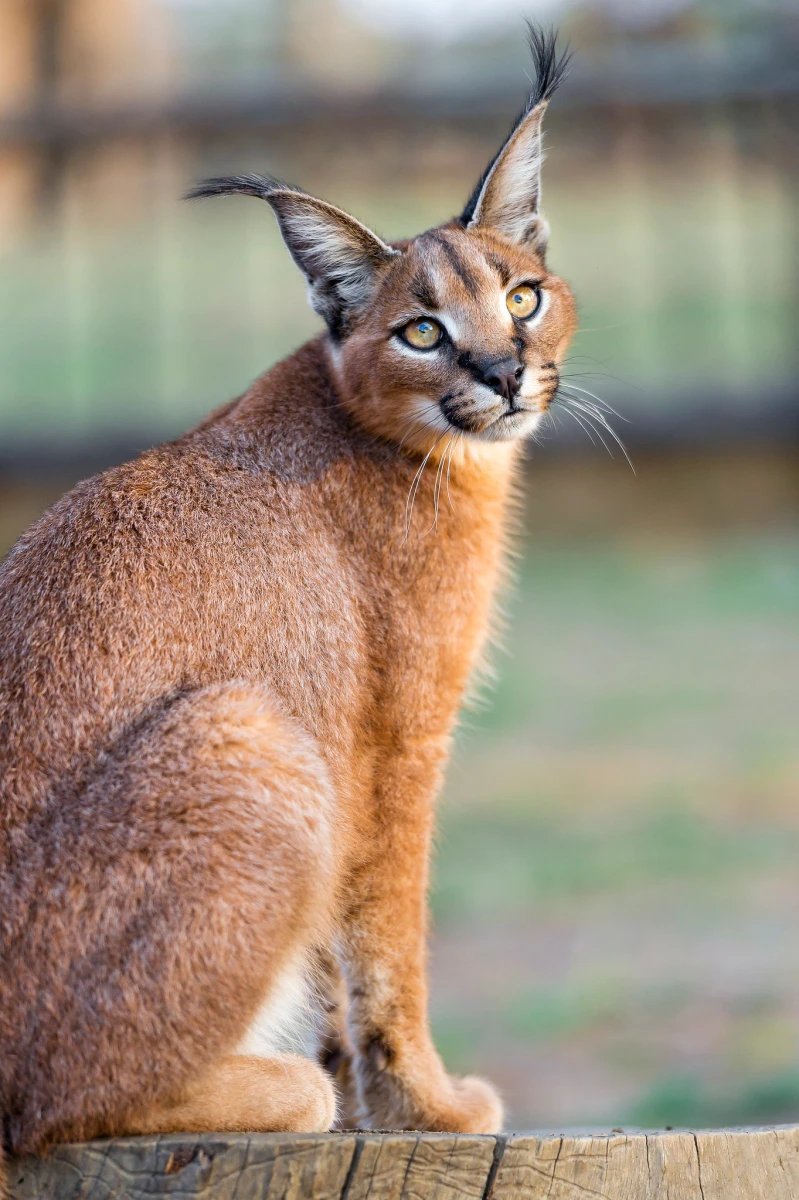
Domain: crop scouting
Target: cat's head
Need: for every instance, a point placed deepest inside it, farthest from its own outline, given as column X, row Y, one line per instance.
column 457, row 332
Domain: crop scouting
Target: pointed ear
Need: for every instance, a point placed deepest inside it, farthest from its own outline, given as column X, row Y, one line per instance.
column 507, row 198
column 340, row 257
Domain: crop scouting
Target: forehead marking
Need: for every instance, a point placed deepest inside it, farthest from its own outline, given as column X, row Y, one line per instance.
column 499, row 266
column 422, row 289
column 457, row 262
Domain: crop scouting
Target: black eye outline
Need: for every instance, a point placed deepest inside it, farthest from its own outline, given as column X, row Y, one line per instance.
column 442, row 334
column 539, row 294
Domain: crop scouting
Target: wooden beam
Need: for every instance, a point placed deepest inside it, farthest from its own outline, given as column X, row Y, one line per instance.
column 759, row 1164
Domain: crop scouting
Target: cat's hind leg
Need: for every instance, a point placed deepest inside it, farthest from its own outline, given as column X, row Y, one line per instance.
column 156, row 910
column 284, row 1094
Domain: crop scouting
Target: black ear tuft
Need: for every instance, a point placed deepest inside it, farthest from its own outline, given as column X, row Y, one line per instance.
column 261, row 186
column 551, row 68
column 340, row 258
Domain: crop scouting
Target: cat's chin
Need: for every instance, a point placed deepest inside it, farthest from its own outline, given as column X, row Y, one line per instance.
column 511, row 426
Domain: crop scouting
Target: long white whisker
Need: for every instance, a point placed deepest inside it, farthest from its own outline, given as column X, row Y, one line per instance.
column 455, row 442
column 412, row 492
column 592, row 418
column 602, row 403
column 566, row 379
column 603, row 328
column 602, row 420
column 437, row 485
column 419, row 424
column 552, row 416
column 594, row 373
column 586, row 429
column 592, row 413
column 417, row 479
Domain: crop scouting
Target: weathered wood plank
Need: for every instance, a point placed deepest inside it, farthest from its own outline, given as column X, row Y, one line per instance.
column 226, row 1167
column 716, row 1165
column 432, row 1166
column 761, row 1164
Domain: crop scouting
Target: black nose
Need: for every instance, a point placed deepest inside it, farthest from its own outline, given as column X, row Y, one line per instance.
column 504, row 377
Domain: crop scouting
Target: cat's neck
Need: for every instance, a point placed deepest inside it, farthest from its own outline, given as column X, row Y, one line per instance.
column 294, row 417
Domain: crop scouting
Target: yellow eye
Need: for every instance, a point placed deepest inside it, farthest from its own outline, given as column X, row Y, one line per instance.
column 422, row 334
column 523, row 301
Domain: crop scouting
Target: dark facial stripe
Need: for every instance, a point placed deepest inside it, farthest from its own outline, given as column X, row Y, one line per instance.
column 459, row 266
column 422, row 289
column 500, row 267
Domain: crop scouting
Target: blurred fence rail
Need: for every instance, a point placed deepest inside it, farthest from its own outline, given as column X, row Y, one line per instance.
column 650, row 80
column 126, row 318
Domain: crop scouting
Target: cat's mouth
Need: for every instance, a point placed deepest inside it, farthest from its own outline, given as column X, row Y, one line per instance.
column 502, row 421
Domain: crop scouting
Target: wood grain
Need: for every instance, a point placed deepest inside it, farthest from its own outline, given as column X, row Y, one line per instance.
column 739, row 1164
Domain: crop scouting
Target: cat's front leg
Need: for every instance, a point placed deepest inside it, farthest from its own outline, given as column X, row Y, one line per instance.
column 401, row 1081
column 334, row 1050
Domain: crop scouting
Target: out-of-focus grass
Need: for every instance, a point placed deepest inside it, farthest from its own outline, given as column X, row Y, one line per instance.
column 615, row 894
column 681, row 657
column 505, row 861
column 771, row 1098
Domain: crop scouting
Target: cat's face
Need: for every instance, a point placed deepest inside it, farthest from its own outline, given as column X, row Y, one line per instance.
column 459, row 332
column 463, row 337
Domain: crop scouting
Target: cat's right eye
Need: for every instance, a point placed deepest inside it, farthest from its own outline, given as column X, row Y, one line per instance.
column 524, row 301
column 423, row 333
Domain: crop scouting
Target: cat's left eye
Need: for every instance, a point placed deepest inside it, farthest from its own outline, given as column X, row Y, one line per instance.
column 523, row 301
column 422, row 334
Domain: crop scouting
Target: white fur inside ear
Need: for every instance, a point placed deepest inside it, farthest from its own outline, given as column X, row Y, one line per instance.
column 539, row 233
column 327, row 255
column 511, row 193
column 337, row 254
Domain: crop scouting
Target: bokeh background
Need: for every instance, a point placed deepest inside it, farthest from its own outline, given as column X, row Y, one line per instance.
column 617, row 888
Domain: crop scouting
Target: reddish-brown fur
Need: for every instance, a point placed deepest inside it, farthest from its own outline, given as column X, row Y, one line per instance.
column 229, row 675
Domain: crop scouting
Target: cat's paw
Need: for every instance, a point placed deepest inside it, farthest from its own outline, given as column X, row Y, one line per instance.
column 430, row 1100
column 475, row 1107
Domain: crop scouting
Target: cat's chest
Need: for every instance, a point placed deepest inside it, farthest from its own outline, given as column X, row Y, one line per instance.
column 432, row 617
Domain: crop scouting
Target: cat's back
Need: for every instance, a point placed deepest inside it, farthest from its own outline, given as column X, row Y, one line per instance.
column 209, row 558
column 104, row 552
column 95, row 611
column 146, row 540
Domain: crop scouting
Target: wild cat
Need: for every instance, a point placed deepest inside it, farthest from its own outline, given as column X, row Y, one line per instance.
column 229, row 675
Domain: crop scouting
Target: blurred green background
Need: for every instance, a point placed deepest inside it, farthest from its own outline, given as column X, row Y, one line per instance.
column 616, row 892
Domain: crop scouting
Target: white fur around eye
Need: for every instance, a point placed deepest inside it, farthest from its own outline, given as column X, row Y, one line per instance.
column 411, row 351
column 451, row 328
column 502, row 310
column 539, row 312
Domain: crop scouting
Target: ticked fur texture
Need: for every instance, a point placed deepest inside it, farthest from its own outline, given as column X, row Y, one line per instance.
column 229, row 674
